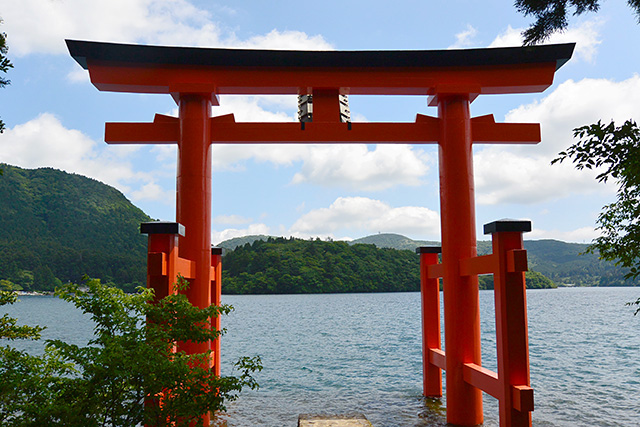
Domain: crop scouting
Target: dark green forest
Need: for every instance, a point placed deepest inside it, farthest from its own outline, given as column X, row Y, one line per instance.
column 565, row 264
column 284, row 266
column 55, row 227
column 279, row 266
column 534, row 280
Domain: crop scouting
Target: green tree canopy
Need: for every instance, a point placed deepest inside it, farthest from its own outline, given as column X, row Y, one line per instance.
column 552, row 15
column 56, row 227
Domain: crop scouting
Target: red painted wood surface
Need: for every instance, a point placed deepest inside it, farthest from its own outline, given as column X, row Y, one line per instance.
column 460, row 293
column 430, row 303
column 511, row 384
column 451, row 79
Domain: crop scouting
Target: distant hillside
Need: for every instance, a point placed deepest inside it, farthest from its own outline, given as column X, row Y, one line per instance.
column 56, row 226
column 384, row 240
column 233, row 243
column 393, row 241
column 566, row 263
column 560, row 261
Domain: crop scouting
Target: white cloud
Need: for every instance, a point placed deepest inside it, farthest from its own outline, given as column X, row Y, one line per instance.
column 256, row 109
column 78, row 75
column 364, row 216
column 502, row 176
column 586, row 36
column 523, row 174
column 333, row 165
column 580, row 235
column 357, row 166
column 354, row 166
column 153, row 191
column 465, row 38
column 285, row 40
column 40, row 26
column 165, row 153
column 45, row 142
column 509, row 38
column 573, row 104
column 231, row 219
column 253, row 229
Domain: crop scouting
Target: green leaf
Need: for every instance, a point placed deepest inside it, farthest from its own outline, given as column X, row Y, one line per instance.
column 132, row 359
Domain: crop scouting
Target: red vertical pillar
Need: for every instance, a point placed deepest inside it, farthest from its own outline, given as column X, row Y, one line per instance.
column 162, row 255
column 193, row 207
column 511, row 322
column 461, row 306
column 430, row 299
column 162, row 259
column 216, row 297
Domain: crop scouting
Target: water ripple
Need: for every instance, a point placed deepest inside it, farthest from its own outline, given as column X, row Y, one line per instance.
column 362, row 353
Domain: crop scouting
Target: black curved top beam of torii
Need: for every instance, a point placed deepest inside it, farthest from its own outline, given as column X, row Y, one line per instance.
column 180, row 70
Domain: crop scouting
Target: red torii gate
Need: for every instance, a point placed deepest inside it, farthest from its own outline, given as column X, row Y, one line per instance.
column 451, row 78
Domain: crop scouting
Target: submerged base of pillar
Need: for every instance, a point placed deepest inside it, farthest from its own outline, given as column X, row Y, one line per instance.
column 355, row 420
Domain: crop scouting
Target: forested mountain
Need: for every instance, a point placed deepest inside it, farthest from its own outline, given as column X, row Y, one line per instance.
column 56, row 226
column 231, row 244
column 566, row 263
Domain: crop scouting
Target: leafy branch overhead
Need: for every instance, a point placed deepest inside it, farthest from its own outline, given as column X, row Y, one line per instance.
column 552, row 15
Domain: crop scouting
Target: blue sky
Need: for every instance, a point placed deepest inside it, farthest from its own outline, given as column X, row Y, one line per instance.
column 55, row 117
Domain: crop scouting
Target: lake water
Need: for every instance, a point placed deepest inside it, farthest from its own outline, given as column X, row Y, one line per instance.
column 362, row 353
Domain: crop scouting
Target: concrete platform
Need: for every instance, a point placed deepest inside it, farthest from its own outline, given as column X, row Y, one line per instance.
column 355, row 420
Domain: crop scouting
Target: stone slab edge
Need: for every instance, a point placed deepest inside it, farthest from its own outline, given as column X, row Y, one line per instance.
column 355, row 420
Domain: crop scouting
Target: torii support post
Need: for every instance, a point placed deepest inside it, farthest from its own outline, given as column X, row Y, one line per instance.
column 162, row 255
column 510, row 296
column 216, row 299
column 162, row 266
column 433, row 360
column 460, row 293
column 193, row 205
column 508, row 262
column 165, row 264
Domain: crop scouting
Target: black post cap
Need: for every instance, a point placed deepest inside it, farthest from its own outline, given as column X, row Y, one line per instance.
column 216, row 251
column 512, row 225
column 162, row 227
column 429, row 250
